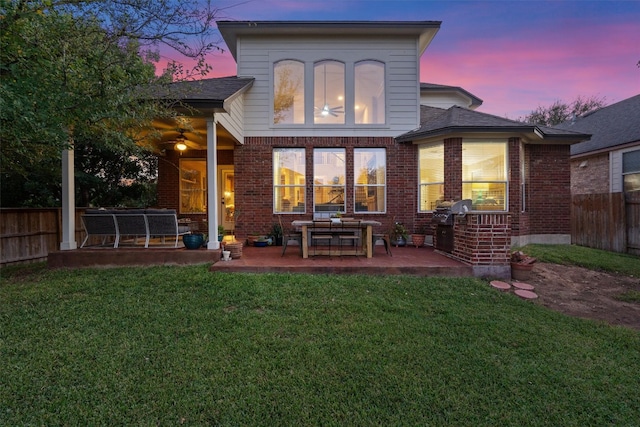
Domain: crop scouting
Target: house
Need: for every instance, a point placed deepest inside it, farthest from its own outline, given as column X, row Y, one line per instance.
column 605, row 178
column 610, row 161
column 327, row 117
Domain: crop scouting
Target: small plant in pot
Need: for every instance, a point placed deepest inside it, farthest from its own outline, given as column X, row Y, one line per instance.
column 419, row 236
column 398, row 234
column 220, row 233
column 276, row 233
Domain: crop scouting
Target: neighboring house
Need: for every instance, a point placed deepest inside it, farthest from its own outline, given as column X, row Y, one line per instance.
column 327, row 117
column 610, row 161
column 605, row 178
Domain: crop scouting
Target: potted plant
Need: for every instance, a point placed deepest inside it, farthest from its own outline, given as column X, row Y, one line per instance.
column 521, row 265
column 398, row 234
column 419, row 236
column 276, row 233
column 220, row 233
column 193, row 240
column 252, row 238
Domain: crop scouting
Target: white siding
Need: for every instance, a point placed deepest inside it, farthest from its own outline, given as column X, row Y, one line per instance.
column 400, row 55
column 233, row 119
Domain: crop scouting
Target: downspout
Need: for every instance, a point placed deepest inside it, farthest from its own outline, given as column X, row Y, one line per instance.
column 212, row 183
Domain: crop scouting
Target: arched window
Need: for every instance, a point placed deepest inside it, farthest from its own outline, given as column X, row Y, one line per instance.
column 328, row 92
column 369, row 104
column 288, row 92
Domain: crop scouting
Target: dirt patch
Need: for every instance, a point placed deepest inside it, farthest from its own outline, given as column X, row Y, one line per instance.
column 580, row 292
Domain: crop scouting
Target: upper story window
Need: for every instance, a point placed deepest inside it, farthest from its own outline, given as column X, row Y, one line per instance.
column 310, row 92
column 369, row 105
column 484, row 174
column 328, row 92
column 288, row 92
column 430, row 176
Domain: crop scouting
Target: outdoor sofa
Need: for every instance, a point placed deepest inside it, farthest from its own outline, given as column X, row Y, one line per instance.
column 136, row 223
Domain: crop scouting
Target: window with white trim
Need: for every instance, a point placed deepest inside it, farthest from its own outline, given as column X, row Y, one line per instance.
column 329, row 180
column 484, row 175
column 288, row 92
column 321, row 91
column 369, row 106
column 328, row 92
column 289, row 180
column 631, row 170
column 431, row 176
column 369, row 172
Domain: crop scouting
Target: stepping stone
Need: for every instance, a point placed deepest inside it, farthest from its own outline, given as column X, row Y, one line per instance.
column 522, row 285
column 503, row 286
column 525, row 294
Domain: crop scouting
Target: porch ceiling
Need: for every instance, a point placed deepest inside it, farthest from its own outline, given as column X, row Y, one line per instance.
column 195, row 136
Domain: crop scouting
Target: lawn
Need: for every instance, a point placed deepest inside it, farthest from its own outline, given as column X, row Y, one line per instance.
column 183, row 346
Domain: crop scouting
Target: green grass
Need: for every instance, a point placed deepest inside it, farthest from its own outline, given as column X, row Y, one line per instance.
column 183, row 346
column 581, row 256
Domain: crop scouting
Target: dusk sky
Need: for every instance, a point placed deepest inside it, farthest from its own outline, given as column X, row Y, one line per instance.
column 514, row 55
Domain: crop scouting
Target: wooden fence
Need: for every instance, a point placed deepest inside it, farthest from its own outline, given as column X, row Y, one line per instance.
column 608, row 221
column 603, row 221
column 29, row 234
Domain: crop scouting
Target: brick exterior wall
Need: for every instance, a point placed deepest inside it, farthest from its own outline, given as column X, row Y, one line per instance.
column 254, row 189
column 453, row 169
column 483, row 239
column 549, row 189
column 593, row 177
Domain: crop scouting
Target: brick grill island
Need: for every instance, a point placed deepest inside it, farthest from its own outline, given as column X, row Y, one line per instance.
column 484, row 241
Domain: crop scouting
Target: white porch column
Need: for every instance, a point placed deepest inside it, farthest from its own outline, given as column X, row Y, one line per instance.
column 68, row 203
column 212, row 184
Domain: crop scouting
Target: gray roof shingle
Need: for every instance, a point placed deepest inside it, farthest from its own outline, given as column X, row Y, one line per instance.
column 437, row 121
column 210, row 93
column 610, row 126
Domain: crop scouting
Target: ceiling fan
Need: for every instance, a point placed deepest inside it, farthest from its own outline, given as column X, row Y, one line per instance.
column 326, row 110
column 179, row 134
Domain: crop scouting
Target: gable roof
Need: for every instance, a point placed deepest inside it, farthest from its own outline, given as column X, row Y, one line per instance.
column 425, row 31
column 208, row 94
column 436, row 88
column 611, row 126
column 437, row 122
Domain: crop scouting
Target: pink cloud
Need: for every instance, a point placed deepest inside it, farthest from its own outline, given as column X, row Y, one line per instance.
column 516, row 75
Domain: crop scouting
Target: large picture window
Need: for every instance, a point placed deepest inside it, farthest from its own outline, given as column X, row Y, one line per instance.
column 288, row 92
column 484, row 175
column 369, row 171
column 431, row 176
column 328, row 92
column 289, row 180
column 631, row 170
column 193, row 186
column 329, row 171
column 369, row 104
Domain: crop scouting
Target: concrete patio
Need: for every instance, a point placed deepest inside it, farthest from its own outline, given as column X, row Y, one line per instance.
column 423, row 261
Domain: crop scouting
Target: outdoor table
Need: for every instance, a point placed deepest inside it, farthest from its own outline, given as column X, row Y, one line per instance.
column 366, row 227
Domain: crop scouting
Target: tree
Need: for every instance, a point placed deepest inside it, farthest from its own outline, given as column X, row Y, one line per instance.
column 70, row 67
column 561, row 111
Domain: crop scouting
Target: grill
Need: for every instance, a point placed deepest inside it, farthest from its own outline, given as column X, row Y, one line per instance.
column 444, row 216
